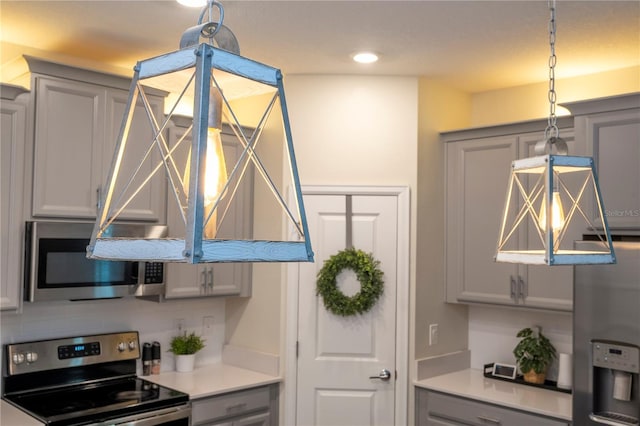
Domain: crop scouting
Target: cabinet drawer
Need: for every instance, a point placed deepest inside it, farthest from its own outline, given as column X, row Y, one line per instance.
column 444, row 407
column 231, row 404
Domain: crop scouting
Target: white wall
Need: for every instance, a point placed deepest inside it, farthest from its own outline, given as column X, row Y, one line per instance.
column 492, row 333
column 154, row 321
column 354, row 130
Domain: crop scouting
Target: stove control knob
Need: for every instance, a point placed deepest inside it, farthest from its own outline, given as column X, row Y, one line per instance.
column 32, row 357
column 121, row 347
column 132, row 345
column 17, row 358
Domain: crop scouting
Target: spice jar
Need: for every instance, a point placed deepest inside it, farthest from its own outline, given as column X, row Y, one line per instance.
column 146, row 359
column 155, row 358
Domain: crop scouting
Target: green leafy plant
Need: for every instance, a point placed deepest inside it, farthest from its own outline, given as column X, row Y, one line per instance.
column 186, row 344
column 534, row 352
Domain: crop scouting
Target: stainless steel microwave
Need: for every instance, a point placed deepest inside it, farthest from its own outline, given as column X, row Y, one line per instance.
column 56, row 265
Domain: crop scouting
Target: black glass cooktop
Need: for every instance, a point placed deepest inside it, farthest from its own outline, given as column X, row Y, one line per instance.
column 87, row 403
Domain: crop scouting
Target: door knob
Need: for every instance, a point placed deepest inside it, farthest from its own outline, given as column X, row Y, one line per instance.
column 384, row 375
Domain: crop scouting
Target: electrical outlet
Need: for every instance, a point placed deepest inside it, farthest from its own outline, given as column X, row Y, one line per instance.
column 433, row 334
column 178, row 324
column 207, row 324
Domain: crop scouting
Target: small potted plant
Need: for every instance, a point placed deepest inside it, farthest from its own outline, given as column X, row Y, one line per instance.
column 534, row 353
column 184, row 347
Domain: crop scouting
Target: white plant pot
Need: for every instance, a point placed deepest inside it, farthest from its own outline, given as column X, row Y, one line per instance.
column 185, row 363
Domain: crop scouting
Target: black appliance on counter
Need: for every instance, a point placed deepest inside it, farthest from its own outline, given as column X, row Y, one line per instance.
column 88, row 380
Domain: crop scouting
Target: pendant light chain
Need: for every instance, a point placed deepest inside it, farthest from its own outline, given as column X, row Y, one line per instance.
column 552, row 122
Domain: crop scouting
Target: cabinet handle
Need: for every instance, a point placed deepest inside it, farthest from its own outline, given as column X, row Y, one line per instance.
column 489, row 420
column 203, row 281
column 241, row 406
column 512, row 281
column 211, row 278
column 98, row 199
column 522, row 288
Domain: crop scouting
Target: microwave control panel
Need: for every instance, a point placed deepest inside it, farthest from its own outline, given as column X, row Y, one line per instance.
column 153, row 273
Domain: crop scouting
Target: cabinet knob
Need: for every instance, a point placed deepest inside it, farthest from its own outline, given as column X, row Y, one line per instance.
column 17, row 358
column 31, row 357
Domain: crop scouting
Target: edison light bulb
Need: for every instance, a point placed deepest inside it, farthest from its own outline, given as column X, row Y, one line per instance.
column 557, row 213
column 215, row 167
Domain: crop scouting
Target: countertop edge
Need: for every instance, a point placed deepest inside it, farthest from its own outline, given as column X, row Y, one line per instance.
column 212, row 379
column 468, row 384
column 10, row 415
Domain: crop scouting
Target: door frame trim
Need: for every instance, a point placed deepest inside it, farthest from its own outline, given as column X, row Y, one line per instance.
column 402, row 301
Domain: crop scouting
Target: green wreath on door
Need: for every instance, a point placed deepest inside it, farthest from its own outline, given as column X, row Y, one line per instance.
column 369, row 276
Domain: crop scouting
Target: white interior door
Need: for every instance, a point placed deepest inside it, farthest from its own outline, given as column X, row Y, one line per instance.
column 337, row 356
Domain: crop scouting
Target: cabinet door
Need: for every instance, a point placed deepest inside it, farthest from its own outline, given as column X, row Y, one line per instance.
column 447, row 409
column 69, row 129
column 245, row 407
column 261, row 419
column 220, row 279
column 614, row 142
column 12, row 139
column 477, row 177
column 150, row 202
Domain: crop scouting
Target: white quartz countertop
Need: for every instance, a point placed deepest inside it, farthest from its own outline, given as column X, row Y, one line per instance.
column 212, row 379
column 473, row 385
column 12, row 416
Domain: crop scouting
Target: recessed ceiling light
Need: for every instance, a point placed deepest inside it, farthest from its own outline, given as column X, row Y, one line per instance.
column 365, row 57
column 192, row 3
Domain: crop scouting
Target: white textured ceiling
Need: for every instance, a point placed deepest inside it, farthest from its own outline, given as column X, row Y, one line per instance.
column 472, row 45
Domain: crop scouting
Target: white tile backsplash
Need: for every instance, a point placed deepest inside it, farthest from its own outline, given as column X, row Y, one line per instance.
column 492, row 333
column 154, row 322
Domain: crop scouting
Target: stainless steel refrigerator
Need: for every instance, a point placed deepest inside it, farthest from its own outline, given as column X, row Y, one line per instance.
column 606, row 338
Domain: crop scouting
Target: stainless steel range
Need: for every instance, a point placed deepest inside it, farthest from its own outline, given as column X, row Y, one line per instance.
column 88, row 380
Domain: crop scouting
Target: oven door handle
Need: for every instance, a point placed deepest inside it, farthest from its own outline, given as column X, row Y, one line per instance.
column 152, row 418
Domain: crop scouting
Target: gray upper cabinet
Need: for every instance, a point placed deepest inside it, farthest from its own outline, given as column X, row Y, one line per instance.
column 611, row 128
column 478, row 164
column 77, row 121
column 211, row 279
column 13, row 116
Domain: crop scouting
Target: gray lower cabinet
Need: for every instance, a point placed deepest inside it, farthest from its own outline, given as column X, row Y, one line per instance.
column 438, row 409
column 251, row 407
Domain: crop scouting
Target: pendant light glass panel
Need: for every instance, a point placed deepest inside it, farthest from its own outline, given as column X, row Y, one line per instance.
column 256, row 213
column 547, row 197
